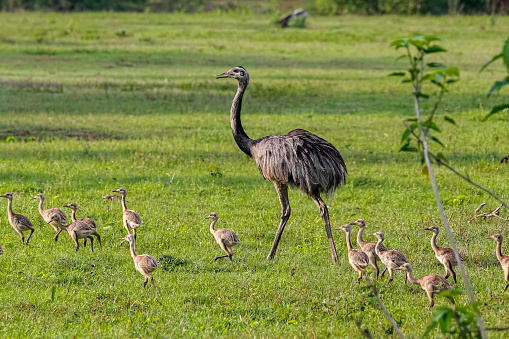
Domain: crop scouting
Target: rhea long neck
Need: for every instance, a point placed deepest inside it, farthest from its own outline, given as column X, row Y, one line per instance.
column 41, row 207
column 9, row 208
column 359, row 236
column 73, row 215
column 241, row 138
column 377, row 247
column 412, row 279
column 348, row 241
column 124, row 206
column 434, row 241
column 212, row 224
column 499, row 250
column 133, row 253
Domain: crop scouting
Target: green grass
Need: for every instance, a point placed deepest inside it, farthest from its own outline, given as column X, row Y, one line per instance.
column 122, row 100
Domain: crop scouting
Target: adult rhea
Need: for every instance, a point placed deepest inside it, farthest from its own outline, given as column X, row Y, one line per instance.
column 298, row 159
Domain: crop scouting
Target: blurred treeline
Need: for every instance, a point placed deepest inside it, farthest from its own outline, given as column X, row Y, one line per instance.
column 316, row 7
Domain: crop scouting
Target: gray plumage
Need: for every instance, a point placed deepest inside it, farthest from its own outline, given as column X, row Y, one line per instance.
column 48, row 214
column 19, row 222
column 225, row 237
column 298, row 159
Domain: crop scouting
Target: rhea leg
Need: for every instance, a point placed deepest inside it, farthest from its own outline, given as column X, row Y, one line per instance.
column 98, row 238
column 390, row 275
column 449, row 267
column 30, row 236
column 91, row 243
column 282, row 191
column 152, row 281
column 324, row 213
column 145, row 282
column 75, row 238
column 430, row 297
column 56, row 235
column 372, row 261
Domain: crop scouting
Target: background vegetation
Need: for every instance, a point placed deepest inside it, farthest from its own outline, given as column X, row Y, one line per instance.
column 321, row 7
column 93, row 102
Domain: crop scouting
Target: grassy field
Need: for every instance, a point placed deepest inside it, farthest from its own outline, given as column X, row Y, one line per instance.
column 101, row 101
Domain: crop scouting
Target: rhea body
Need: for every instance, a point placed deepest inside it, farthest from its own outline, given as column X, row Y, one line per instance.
column 77, row 230
column 298, row 159
column 503, row 259
column 392, row 259
column 432, row 283
column 443, row 254
column 368, row 247
column 144, row 263
column 19, row 222
column 131, row 219
column 357, row 258
column 225, row 237
column 74, row 207
column 48, row 214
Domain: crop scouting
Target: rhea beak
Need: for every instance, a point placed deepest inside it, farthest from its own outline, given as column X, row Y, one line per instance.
column 222, row 75
column 209, row 217
column 115, row 191
column 353, row 223
column 427, row 229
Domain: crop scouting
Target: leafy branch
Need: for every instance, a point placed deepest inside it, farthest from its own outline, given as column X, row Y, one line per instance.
column 497, row 86
column 441, row 76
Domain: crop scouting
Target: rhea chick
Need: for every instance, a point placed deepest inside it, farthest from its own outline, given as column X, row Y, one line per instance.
column 503, row 259
column 77, row 230
column 144, row 263
column 19, row 222
column 225, row 237
column 444, row 255
column 132, row 219
column 74, row 207
column 431, row 283
column 49, row 213
column 357, row 258
column 392, row 259
column 368, row 247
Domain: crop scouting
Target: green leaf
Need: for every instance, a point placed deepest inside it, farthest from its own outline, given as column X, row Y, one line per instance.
column 451, row 81
column 432, row 125
column 449, row 119
column 431, row 38
column 437, row 65
column 417, row 44
column 498, row 85
column 505, row 54
column 443, row 322
column 407, row 148
column 427, row 76
column 495, row 58
column 496, row 109
column 434, row 49
column 421, row 95
column 405, row 136
column 435, row 139
column 397, row 74
column 453, row 71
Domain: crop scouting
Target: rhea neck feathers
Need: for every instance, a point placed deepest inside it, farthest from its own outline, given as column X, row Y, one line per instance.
column 240, row 136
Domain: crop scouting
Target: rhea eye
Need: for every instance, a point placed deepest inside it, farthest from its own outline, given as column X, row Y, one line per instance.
column 235, row 71
column 242, row 73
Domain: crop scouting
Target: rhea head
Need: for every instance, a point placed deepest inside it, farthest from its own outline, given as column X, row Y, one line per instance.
column 237, row 72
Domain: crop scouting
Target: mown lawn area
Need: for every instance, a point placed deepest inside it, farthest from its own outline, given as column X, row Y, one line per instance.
column 93, row 102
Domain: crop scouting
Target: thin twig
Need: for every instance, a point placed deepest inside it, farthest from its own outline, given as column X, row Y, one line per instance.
column 461, row 267
column 497, row 329
column 171, row 180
